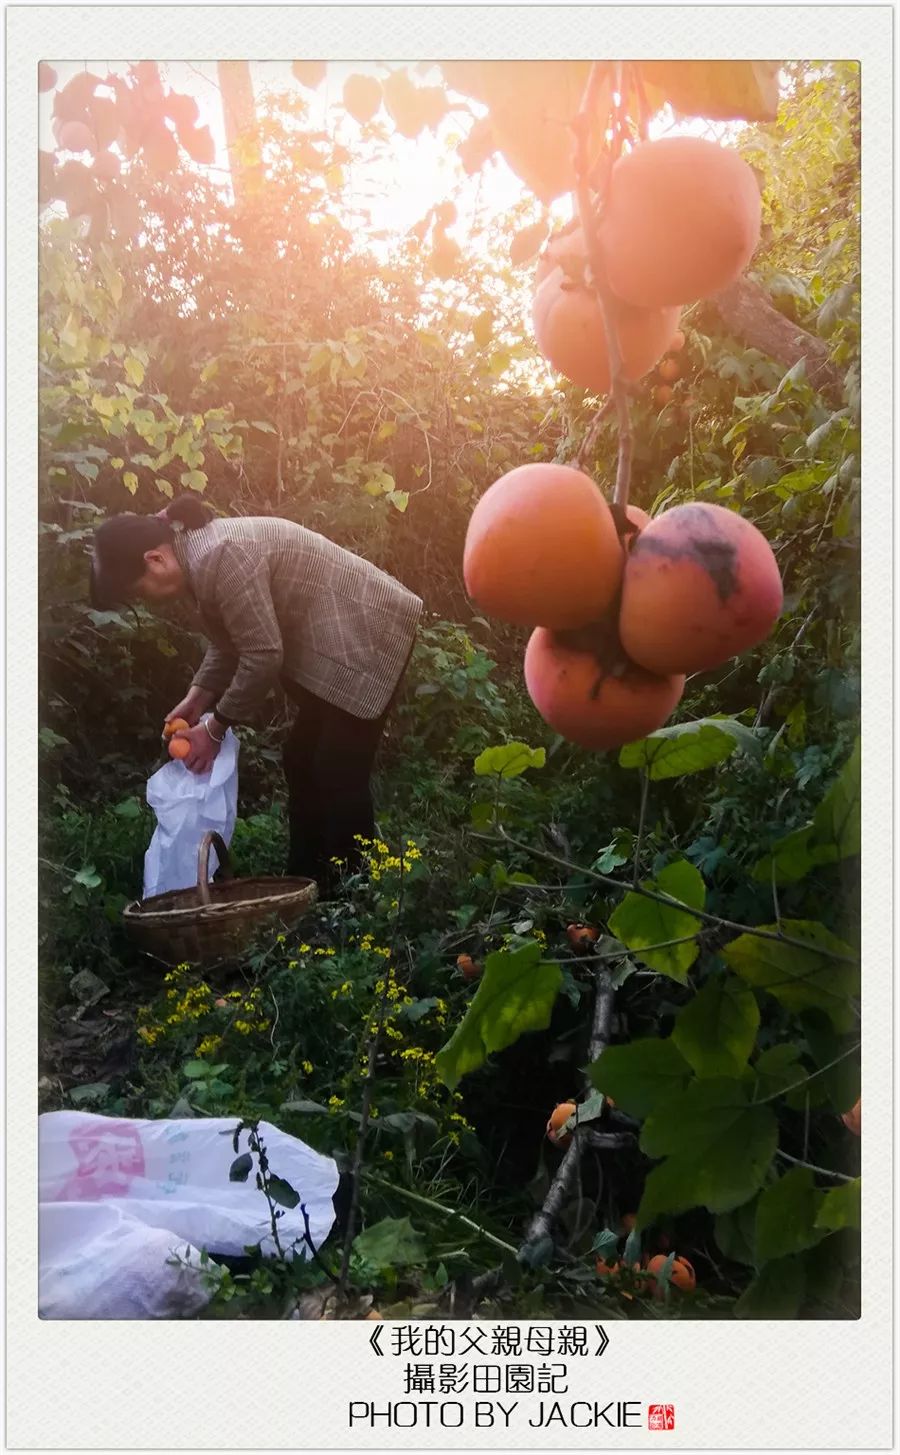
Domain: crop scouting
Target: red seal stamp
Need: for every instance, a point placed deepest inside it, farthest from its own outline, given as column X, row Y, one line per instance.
column 661, row 1417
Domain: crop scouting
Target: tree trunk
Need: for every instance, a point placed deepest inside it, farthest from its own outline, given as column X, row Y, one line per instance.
column 747, row 311
column 239, row 112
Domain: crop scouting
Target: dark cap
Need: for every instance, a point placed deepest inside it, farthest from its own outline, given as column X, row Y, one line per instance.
column 118, row 560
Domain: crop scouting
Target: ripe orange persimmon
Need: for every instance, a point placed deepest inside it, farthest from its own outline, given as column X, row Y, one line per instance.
column 558, row 1118
column 179, row 747
column 470, row 968
column 570, row 333
column 852, row 1119
column 176, row 725
column 588, row 704
column 46, row 77
column 106, row 166
column 542, row 547
column 701, row 584
column 681, row 1275
column 606, row 1270
column 681, row 221
column 581, row 937
column 669, row 370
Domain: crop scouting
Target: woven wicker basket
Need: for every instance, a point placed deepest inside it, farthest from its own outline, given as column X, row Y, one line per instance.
column 214, row 922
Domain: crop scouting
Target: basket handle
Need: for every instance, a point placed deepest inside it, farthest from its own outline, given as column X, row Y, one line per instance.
column 209, row 841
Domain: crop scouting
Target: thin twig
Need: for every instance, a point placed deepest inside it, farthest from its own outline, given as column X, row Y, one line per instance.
column 639, row 843
column 823, row 1171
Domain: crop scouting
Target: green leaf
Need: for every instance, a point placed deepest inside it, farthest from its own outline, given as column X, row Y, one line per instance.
column 128, row 808
column 193, row 480
column 792, row 857
column 88, row 877
column 91, row 1094
column 164, row 487
column 516, row 994
column 508, row 760
column 130, row 481
column 639, row 922
column 688, row 747
column 776, row 1069
column 799, row 978
column 195, row 1070
column 716, row 1031
column 399, row 499
column 735, row 1233
column 641, row 1075
column 526, row 244
column 840, row 1207
column 483, row 328
column 282, row 1193
column 499, row 362
column 209, row 371
column 135, row 370
column 776, row 1293
column 717, row 90
column 264, row 426
column 718, row 1149
column 786, row 1215
column 305, row 1108
column 392, row 1243
column 841, row 1082
column 240, row 1168
column 837, row 820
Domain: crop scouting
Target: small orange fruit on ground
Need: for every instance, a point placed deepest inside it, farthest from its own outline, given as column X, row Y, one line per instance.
column 681, row 1275
column 179, row 748
column 542, row 547
column 669, row 370
column 581, row 937
column 852, row 1119
column 570, row 333
column 587, row 704
column 701, row 584
column 470, row 968
column 681, row 221
column 176, row 725
column 662, row 395
column 558, row 1118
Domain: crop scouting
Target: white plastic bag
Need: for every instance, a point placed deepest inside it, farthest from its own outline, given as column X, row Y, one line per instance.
column 187, row 805
column 119, row 1198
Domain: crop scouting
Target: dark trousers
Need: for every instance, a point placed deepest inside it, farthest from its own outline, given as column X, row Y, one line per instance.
column 328, row 761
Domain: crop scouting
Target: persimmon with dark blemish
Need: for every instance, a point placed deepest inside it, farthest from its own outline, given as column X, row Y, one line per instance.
column 701, row 584
column 595, row 705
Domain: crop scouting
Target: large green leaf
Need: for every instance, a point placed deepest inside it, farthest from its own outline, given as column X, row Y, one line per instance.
column 776, row 1069
column 392, row 1243
column 718, row 90
column 716, row 1031
column 786, row 1216
column 717, row 1147
column 735, row 1233
column 641, row 1074
column 835, row 832
column 639, row 922
column 508, row 760
column 840, row 1208
column 776, row 1293
column 515, row 994
column 799, row 978
column 688, row 747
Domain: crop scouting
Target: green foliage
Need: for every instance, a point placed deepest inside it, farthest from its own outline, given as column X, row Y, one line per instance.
column 515, row 995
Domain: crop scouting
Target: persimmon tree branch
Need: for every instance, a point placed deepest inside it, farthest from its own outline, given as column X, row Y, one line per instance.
column 589, row 219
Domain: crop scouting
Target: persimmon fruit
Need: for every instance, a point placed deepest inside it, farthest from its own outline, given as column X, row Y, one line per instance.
column 589, row 704
column 362, row 97
column 179, row 747
column 581, row 937
column 46, row 77
column 606, row 1270
column 852, row 1119
column 75, row 136
column 106, row 166
column 470, row 969
column 681, row 1275
column 701, row 584
column 542, row 548
column 669, row 370
column 681, row 221
column 570, row 333
column 176, row 725
column 557, row 1120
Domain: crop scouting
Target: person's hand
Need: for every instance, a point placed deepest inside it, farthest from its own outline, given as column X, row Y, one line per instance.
column 204, row 749
column 197, row 701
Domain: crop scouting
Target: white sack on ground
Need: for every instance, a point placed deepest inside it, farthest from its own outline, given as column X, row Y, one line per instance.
column 117, row 1198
